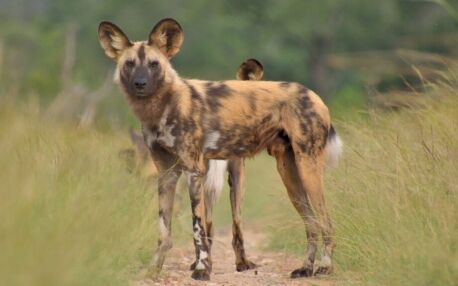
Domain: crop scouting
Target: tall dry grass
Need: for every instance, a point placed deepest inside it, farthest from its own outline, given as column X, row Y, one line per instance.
column 70, row 212
column 394, row 197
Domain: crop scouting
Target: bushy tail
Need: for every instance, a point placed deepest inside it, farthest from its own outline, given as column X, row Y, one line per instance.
column 333, row 148
column 214, row 179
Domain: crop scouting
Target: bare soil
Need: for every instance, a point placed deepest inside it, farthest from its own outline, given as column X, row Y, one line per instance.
column 273, row 267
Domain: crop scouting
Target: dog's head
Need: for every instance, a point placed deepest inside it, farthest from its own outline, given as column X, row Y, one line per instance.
column 143, row 68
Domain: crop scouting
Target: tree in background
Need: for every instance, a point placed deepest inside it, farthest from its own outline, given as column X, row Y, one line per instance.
column 304, row 41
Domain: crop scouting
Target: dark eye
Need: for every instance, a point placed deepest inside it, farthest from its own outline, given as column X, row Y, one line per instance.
column 153, row 64
column 130, row 64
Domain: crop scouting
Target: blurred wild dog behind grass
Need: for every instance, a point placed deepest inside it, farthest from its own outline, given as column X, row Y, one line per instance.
column 137, row 158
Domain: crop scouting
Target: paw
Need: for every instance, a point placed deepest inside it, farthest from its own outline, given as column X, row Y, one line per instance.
column 325, row 266
column 323, row 270
column 245, row 265
column 153, row 273
column 302, row 272
column 193, row 266
column 203, row 275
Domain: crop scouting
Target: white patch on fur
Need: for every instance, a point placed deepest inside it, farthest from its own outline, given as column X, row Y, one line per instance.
column 200, row 265
column 203, row 254
column 163, row 228
column 214, row 179
column 325, row 261
column 197, row 234
column 116, row 76
column 150, row 137
column 164, row 116
column 165, row 135
column 211, row 140
column 332, row 151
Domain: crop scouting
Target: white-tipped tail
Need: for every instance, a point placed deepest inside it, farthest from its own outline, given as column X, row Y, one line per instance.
column 214, row 179
column 333, row 149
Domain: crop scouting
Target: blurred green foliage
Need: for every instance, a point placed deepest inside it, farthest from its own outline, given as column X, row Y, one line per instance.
column 295, row 40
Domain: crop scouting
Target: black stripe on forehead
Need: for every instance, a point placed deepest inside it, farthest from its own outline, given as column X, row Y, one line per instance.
column 141, row 53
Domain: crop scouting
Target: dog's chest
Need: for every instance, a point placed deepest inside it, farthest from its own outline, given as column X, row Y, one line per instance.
column 165, row 133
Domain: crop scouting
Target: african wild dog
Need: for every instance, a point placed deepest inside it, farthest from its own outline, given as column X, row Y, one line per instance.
column 251, row 69
column 187, row 122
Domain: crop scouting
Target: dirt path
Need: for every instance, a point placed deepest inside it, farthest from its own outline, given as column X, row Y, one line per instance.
column 273, row 267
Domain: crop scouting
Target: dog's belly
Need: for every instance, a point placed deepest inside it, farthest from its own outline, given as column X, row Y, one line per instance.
column 237, row 144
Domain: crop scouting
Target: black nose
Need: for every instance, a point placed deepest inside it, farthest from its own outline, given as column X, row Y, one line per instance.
column 140, row 83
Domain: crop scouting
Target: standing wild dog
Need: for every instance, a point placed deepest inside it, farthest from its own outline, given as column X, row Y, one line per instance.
column 187, row 122
column 251, row 69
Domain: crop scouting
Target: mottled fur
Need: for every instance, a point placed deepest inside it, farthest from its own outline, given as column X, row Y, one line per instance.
column 187, row 122
column 251, row 69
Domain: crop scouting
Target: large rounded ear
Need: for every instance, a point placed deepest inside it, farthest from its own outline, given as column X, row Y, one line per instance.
column 251, row 69
column 168, row 36
column 112, row 40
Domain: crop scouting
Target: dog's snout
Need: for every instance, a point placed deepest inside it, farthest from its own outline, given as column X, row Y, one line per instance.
column 140, row 83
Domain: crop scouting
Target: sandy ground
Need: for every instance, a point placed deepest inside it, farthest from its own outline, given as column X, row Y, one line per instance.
column 273, row 267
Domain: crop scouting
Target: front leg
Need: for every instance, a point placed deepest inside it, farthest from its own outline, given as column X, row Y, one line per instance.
column 169, row 173
column 166, row 193
column 196, row 193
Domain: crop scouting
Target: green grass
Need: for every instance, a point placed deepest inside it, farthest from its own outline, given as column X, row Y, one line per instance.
column 73, row 215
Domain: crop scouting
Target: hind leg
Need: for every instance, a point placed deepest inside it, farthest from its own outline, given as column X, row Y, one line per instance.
column 286, row 166
column 310, row 171
column 236, row 180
